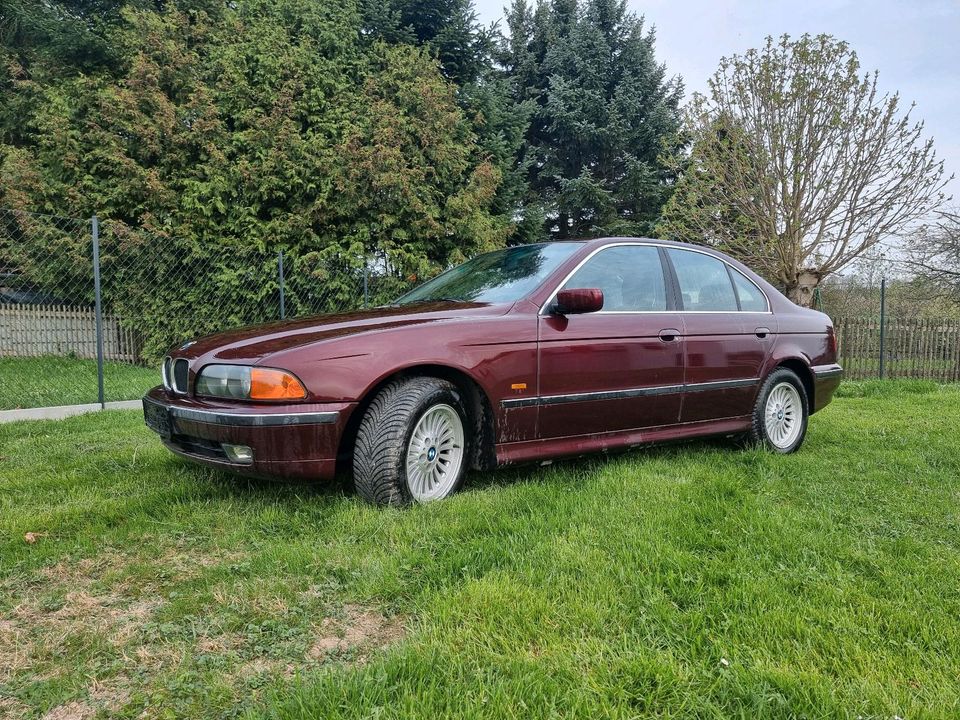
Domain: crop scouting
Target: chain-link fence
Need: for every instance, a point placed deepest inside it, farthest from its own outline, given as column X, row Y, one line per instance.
column 48, row 342
column 87, row 309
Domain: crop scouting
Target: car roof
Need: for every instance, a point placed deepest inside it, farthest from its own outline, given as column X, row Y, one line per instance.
column 600, row 241
column 595, row 242
column 592, row 243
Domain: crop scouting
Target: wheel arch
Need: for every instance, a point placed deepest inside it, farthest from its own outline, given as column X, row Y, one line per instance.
column 483, row 452
column 802, row 371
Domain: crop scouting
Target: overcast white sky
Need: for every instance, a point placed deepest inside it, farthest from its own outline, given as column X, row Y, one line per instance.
column 914, row 45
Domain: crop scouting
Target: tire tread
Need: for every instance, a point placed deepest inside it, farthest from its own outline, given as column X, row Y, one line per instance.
column 378, row 452
column 757, row 434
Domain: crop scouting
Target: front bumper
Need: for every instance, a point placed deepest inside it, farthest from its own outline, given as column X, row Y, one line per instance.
column 295, row 441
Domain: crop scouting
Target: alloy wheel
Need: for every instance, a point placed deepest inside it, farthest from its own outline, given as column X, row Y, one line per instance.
column 783, row 415
column 435, row 453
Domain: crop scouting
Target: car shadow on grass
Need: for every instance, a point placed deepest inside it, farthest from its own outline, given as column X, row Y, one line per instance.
column 565, row 471
column 264, row 488
column 577, row 468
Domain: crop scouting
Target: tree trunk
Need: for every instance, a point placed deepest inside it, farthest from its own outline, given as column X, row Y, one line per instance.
column 801, row 291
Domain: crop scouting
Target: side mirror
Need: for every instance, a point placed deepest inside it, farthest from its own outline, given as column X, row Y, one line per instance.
column 578, row 301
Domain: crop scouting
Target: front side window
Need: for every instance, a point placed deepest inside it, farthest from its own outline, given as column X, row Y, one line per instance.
column 750, row 296
column 630, row 277
column 704, row 283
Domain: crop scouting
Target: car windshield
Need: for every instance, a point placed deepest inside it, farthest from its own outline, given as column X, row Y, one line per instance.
column 501, row 276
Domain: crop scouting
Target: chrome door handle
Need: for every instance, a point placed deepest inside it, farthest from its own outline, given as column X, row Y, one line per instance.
column 669, row 334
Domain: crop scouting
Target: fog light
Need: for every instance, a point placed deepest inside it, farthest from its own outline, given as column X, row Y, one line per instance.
column 240, row 454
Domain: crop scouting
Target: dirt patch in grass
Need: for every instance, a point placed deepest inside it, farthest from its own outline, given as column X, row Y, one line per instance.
column 112, row 596
column 156, row 658
column 350, row 636
column 265, row 667
column 179, row 561
column 101, row 697
column 110, row 616
column 360, row 631
column 11, row 709
column 12, row 655
column 85, row 570
column 108, row 605
column 71, row 711
column 220, row 644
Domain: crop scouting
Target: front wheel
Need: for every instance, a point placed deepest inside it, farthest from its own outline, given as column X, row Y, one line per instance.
column 781, row 412
column 412, row 443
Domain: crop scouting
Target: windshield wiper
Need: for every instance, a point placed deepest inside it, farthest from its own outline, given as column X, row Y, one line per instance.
column 423, row 301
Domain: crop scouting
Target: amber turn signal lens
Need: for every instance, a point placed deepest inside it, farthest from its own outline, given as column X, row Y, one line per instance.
column 266, row 384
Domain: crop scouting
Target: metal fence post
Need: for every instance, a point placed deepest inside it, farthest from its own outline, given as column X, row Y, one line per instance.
column 98, row 307
column 883, row 322
column 366, row 291
column 283, row 309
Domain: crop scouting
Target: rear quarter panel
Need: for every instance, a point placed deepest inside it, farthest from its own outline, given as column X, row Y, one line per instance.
column 803, row 334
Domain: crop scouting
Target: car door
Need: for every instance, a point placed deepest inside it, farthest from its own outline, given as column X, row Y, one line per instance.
column 620, row 368
column 728, row 332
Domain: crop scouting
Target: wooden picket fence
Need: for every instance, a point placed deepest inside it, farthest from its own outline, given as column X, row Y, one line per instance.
column 37, row 330
column 913, row 348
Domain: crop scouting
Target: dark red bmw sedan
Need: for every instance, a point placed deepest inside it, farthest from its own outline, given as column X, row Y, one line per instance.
column 523, row 354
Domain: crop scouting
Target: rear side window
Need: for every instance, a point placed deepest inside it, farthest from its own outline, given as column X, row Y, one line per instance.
column 630, row 276
column 750, row 296
column 704, row 282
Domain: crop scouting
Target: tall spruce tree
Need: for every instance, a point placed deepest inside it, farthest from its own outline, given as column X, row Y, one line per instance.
column 605, row 113
column 448, row 27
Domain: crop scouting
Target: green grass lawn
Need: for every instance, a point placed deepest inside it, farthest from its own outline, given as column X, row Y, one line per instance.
column 695, row 581
column 56, row 380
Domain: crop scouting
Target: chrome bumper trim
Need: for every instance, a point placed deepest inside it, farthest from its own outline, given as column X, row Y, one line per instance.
column 220, row 417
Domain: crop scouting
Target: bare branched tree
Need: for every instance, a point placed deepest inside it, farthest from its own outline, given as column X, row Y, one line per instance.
column 799, row 164
column 933, row 254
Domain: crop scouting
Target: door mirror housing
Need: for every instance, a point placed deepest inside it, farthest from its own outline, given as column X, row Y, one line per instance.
column 578, row 301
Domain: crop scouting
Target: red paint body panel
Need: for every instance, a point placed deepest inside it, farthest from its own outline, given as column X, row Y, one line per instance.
column 724, row 347
column 606, row 353
column 647, row 376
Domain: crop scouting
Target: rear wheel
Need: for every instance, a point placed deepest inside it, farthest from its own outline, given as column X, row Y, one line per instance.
column 781, row 412
column 412, row 443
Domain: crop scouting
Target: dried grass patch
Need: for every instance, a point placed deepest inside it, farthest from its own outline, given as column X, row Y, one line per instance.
column 360, row 630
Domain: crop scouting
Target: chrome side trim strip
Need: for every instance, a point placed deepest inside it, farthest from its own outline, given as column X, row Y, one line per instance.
column 720, row 385
column 218, row 417
column 601, row 395
column 628, row 393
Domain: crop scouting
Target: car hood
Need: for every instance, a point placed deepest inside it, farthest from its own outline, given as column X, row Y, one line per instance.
column 254, row 343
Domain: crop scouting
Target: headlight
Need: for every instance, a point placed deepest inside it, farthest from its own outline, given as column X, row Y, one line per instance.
column 241, row 382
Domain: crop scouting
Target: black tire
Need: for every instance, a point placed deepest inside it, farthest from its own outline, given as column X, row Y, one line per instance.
column 758, row 433
column 379, row 456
